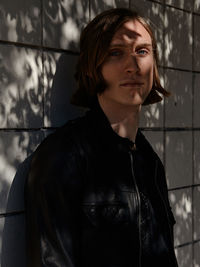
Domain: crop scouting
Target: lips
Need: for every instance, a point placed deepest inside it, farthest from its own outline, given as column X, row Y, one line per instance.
column 131, row 84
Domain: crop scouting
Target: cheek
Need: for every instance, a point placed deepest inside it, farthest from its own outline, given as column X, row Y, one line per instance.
column 105, row 71
column 109, row 73
column 148, row 71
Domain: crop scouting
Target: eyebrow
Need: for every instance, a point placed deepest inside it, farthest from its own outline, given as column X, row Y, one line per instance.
column 123, row 45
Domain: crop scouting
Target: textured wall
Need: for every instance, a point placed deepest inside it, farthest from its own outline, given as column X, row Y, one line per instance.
column 38, row 52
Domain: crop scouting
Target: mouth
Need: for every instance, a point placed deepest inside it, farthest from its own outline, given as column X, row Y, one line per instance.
column 131, row 84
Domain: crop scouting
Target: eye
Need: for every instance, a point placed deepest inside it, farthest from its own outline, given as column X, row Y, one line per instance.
column 142, row 52
column 115, row 53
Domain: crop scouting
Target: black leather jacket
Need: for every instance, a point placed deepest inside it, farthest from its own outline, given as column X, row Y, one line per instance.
column 83, row 199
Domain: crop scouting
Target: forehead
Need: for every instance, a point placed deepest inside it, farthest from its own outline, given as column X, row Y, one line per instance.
column 131, row 31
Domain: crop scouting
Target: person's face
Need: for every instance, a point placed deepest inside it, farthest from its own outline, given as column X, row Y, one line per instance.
column 128, row 68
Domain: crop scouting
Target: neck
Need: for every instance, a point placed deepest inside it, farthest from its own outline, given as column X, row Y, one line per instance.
column 123, row 119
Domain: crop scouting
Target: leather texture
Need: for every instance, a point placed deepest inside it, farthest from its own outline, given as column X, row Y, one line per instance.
column 83, row 200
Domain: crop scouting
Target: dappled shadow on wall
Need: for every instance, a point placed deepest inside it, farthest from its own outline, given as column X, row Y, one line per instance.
column 20, row 87
column 14, row 148
column 179, row 175
column 196, row 215
column 20, row 21
column 152, row 115
column 99, row 6
column 178, row 31
column 178, row 158
column 179, row 104
column 184, row 256
column 181, row 201
column 196, row 56
column 63, row 21
column 178, row 113
column 13, row 234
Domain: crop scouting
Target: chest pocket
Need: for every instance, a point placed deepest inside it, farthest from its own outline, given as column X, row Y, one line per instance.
column 106, row 214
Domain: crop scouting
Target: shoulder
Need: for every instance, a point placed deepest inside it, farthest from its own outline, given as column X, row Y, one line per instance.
column 66, row 136
column 56, row 164
column 60, row 148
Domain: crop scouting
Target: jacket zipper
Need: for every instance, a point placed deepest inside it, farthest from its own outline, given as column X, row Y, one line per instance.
column 138, row 201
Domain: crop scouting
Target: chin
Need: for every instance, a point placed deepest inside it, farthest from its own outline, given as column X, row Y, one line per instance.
column 132, row 104
column 137, row 101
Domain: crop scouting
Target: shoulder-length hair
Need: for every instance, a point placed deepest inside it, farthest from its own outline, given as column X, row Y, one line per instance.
column 94, row 43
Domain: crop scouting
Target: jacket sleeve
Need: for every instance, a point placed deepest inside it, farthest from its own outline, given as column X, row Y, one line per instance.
column 52, row 200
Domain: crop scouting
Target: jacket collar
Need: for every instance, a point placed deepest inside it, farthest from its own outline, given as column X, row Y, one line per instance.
column 101, row 124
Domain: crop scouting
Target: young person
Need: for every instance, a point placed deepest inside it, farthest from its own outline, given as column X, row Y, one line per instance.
column 96, row 194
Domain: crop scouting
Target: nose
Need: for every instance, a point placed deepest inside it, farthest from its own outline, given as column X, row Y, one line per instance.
column 131, row 64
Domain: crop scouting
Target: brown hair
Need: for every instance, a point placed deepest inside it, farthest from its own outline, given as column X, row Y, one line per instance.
column 94, row 42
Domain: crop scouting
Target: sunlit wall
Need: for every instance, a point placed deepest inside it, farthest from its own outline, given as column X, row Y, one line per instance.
column 38, row 54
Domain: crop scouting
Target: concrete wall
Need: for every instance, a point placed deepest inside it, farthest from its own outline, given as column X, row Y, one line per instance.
column 38, row 52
